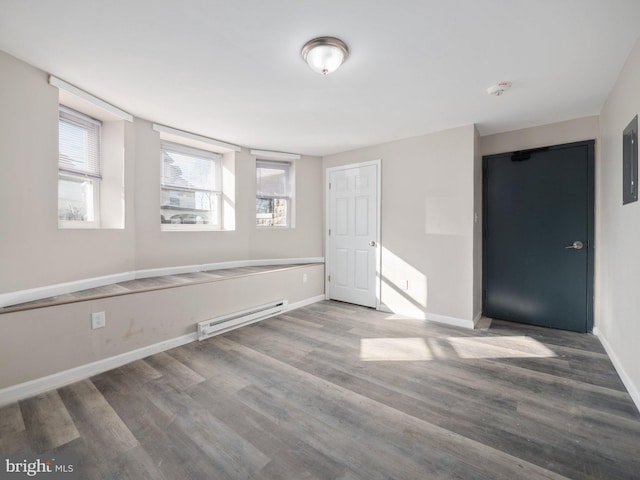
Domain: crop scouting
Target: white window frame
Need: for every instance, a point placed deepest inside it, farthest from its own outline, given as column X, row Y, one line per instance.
column 216, row 189
column 78, row 118
column 288, row 166
column 109, row 195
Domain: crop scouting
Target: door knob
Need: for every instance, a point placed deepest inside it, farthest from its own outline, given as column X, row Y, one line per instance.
column 372, row 243
column 577, row 245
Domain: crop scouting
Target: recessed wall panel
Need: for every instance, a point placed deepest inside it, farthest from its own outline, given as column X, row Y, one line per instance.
column 341, row 184
column 362, row 216
column 341, row 267
column 342, row 216
column 361, row 259
column 361, row 182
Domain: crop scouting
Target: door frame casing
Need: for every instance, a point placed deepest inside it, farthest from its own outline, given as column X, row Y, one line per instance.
column 590, row 144
column 327, row 251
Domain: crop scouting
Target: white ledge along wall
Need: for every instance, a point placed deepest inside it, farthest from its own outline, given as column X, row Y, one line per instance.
column 36, row 253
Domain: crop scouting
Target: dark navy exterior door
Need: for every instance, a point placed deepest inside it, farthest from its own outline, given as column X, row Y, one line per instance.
column 538, row 236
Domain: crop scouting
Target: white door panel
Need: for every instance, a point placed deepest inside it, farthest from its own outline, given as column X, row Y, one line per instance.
column 341, row 226
column 341, row 276
column 361, row 270
column 352, row 242
column 361, row 217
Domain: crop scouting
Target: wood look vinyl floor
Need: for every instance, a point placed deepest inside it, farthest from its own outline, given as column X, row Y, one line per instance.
column 335, row 391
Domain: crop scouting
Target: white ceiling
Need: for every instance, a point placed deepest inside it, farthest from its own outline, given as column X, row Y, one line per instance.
column 232, row 70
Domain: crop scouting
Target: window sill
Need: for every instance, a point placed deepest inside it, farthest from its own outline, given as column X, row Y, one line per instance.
column 191, row 228
column 79, row 225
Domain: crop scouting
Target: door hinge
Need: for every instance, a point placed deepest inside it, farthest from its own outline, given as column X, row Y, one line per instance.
column 328, row 278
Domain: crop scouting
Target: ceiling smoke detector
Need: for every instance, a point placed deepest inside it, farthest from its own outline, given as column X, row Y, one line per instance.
column 499, row 88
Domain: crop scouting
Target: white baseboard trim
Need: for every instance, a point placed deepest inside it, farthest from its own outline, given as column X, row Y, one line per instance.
column 22, row 296
column 383, row 308
column 32, row 294
column 633, row 390
column 433, row 317
column 41, row 385
column 456, row 322
column 305, row 302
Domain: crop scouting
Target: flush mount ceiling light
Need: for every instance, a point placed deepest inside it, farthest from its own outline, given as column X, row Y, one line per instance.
column 325, row 54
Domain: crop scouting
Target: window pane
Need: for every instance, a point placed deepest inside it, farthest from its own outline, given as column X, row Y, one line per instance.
column 264, row 207
column 193, row 207
column 272, row 179
column 272, row 212
column 190, row 186
column 188, row 171
column 78, row 143
column 74, row 146
column 75, row 199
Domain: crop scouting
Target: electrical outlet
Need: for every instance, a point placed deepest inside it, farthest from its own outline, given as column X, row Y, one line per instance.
column 305, row 277
column 98, row 320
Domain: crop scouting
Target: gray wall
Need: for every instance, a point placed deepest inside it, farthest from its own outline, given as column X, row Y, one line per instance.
column 575, row 130
column 35, row 252
column 477, row 226
column 430, row 193
column 428, row 196
column 40, row 342
column 617, row 232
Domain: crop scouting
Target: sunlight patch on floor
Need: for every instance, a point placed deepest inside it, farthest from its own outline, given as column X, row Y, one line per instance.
column 500, row 347
column 394, row 349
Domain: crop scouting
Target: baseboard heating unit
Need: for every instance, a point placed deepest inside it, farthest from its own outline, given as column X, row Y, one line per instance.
column 222, row 324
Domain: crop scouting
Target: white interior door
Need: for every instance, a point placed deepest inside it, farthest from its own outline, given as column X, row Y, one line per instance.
column 352, row 241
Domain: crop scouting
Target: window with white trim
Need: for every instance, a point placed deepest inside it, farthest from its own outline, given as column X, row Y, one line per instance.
column 191, row 188
column 79, row 171
column 273, row 194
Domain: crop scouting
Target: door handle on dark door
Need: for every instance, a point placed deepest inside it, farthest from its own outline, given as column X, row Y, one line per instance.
column 577, row 245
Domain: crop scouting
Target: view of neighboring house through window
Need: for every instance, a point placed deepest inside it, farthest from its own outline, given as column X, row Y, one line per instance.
column 273, row 194
column 78, row 169
column 190, row 186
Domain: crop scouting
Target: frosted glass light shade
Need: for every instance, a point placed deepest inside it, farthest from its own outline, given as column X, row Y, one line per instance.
column 325, row 54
